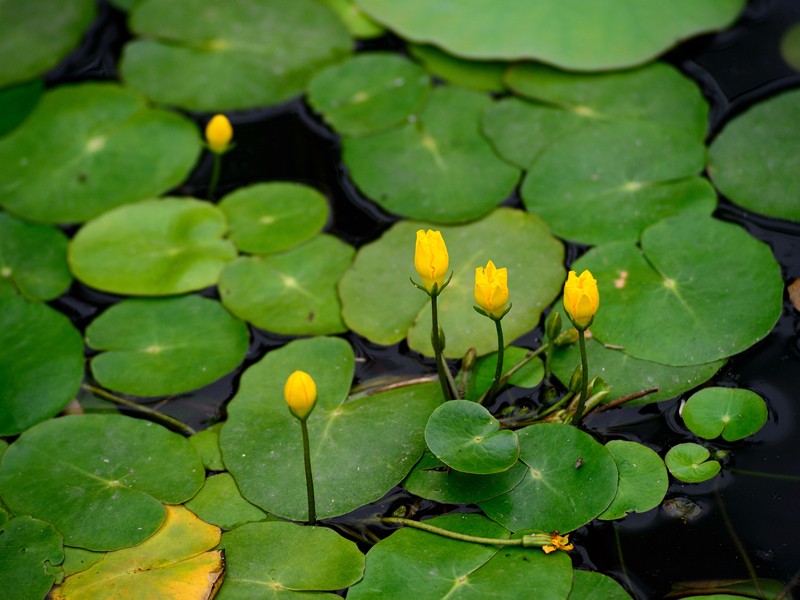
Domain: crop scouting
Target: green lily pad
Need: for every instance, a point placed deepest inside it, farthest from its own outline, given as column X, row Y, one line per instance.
column 17, row 102
column 235, row 55
column 153, row 248
column 178, row 344
column 434, row 480
column 754, row 161
column 270, row 217
column 732, row 413
column 689, row 463
column 559, row 492
column 41, row 362
column 642, row 479
column 100, row 479
column 206, row 443
column 380, row 303
column 220, row 502
column 425, row 566
column 292, row 293
column 360, row 448
column 91, row 147
column 528, row 376
column 588, row 585
column 696, row 291
column 465, row 436
column 611, row 33
column 78, row 559
column 483, row 76
column 439, row 167
column 33, row 259
column 30, row 553
column 34, row 37
column 368, row 93
column 358, row 24
column 263, row 561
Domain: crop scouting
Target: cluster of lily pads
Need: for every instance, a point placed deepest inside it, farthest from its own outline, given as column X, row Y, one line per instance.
column 439, row 137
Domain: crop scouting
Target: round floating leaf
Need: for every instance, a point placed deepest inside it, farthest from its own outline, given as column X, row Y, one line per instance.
column 30, row 551
column 642, row 479
column 588, row 585
column 421, row 565
column 292, row 293
column 100, row 479
column 754, row 161
column 571, row 480
column 465, row 436
column 41, row 362
column 206, row 443
column 379, row 303
column 173, row 563
column 528, row 376
column 483, row 76
column 221, row 503
column 153, row 248
column 89, row 148
column 17, row 102
column 35, row 36
column 369, row 92
column 33, row 259
column 267, row 560
column 438, row 167
column 358, row 24
column 270, row 217
column 434, row 480
column 732, row 413
column 697, row 290
column 608, row 183
column 228, row 56
column 360, row 448
column 611, row 33
column 163, row 347
column 689, row 463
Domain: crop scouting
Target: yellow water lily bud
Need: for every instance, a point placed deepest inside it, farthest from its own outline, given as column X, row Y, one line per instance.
column 431, row 259
column 219, row 133
column 581, row 298
column 491, row 289
column 300, row 392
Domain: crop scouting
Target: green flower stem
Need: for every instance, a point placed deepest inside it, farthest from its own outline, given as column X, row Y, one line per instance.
column 508, row 374
column 215, row 171
column 498, row 371
column 445, row 377
column 158, row 416
column 535, row 540
column 312, row 507
column 584, row 376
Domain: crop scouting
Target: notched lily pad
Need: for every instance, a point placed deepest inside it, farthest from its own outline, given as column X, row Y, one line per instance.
column 690, row 463
column 642, row 479
column 206, row 443
column 30, row 552
column 732, row 413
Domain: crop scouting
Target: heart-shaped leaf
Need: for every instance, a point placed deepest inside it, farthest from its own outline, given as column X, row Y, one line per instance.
column 732, row 413
column 689, row 463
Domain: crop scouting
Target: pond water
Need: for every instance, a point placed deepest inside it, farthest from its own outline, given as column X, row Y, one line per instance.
column 744, row 519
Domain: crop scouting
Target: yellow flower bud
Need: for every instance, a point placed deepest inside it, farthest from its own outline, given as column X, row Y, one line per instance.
column 581, row 298
column 431, row 259
column 491, row 289
column 300, row 392
column 219, row 133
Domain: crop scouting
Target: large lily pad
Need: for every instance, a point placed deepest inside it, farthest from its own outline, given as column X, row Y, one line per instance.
column 275, row 560
column 17, row 102
column 730, row 412
column 696, row 291
column 30, row 553
column 41, row 362
column 587, row 35
column 379, row 303
column 642, row 479
column 233, row 55
column 153, row 248
column 35, row 36
column 292, row 293
column 162, row 347
column 438, row 167
column 100, row 479
column 91, row 147
column 360, row 448
column 755, row 162
column 33, row 259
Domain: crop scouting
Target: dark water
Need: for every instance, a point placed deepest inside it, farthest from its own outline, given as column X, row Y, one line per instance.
column 741, row 514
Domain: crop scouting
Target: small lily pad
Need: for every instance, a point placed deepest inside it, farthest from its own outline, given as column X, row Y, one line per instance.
column 100, row 479
column 17, row 102
column 588, row 585
column 465, row 436
column 369, row 93
column 220, row 502
column 263, row 562
column 235, row 55
column 270, row 217
column 528, row 376
column 642, row 479
column 689, row 463
column 732, row 413
column 162, row 347
column 91, row 147
column 292, row 293
column 206, row 443
column 438, row 168
column 483, row 76
column 153, row 248
column 30, row 553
